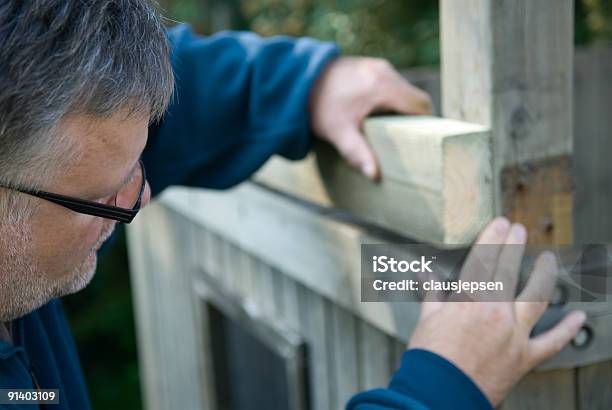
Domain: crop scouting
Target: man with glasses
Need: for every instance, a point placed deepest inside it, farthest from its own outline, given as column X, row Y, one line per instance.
column 85, row 92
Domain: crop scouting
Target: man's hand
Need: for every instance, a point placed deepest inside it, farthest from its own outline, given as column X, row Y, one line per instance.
column 490, row 341
column 348, row 91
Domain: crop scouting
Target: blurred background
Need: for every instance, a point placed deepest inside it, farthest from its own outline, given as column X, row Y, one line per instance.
column 402, row 31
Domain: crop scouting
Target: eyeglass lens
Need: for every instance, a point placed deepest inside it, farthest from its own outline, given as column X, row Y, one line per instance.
column 127, row 197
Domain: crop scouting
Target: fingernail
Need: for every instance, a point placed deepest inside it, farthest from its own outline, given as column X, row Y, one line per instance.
column 518, row 232
column 580, row 317
column 548, row 257
column 501, row 225
column 369, row 170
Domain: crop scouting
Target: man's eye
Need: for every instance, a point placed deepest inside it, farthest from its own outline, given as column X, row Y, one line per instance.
column 107, row 200
column 111, row 200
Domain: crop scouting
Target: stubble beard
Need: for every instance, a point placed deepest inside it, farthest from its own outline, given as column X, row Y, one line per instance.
column 24, row 286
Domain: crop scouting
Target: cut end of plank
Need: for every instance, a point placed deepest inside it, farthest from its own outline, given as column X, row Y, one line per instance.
column 468, row 188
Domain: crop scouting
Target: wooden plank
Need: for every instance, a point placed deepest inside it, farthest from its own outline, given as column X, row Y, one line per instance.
column 140, row 268
column 210, row 252
column 594, row 383
column 552, row 390
column 313, row 328
column 193, row 240
column 345, row 358
column 290, row 309
column 180, row 306
column 374, row 357
column 593, row 127
column 333, row 371
column 230, row 256
column 277, row 292
column 247, row 277
column 326, row 258
column 165, row 307
column 436, row 184
column 264, row 287
column 150, row 312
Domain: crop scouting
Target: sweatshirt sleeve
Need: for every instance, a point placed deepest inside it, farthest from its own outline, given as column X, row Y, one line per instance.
column 424, row 381
column 239, row 99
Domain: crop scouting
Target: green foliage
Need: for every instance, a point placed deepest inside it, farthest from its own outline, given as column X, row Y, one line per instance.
column 405, row 32
column 598, row 20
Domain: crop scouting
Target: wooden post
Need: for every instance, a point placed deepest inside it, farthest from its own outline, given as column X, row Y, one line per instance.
column 592, row 219
column 508, row 65
column 593, row 127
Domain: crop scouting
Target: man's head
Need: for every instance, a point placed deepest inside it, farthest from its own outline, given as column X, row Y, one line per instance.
column 80, row 81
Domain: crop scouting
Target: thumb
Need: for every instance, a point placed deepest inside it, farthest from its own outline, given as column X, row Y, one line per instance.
column 353, row 147
column 432, row 299
column 552, row 341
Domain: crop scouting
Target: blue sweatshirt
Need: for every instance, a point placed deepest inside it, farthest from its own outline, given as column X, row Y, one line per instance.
column 239, row 100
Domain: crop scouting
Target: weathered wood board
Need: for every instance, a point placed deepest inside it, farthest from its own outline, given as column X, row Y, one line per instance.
column 436, row 183
column 174, row 366
column 509, row 65
column 326, row 258
column 356, row 346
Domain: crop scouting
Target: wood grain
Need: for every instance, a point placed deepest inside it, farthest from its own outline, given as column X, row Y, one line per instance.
column 552, row 390
column 509, row 65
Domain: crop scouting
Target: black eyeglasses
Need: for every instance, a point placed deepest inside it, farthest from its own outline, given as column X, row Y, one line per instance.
column 123, row 214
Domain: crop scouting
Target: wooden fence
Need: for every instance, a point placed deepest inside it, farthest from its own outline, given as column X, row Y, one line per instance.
column 275, row 264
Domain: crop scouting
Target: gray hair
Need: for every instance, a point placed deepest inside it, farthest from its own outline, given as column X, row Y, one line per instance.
column 64, row 57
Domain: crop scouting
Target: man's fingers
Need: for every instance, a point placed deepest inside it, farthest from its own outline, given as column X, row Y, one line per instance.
column 534, row 298
column 509, row 262
column 541, row 283
column 404, row 98
column 552, row 341
column 482, row 259
column 495, row 232
column 433, row 299
column 349, row 90
column 354, row 148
